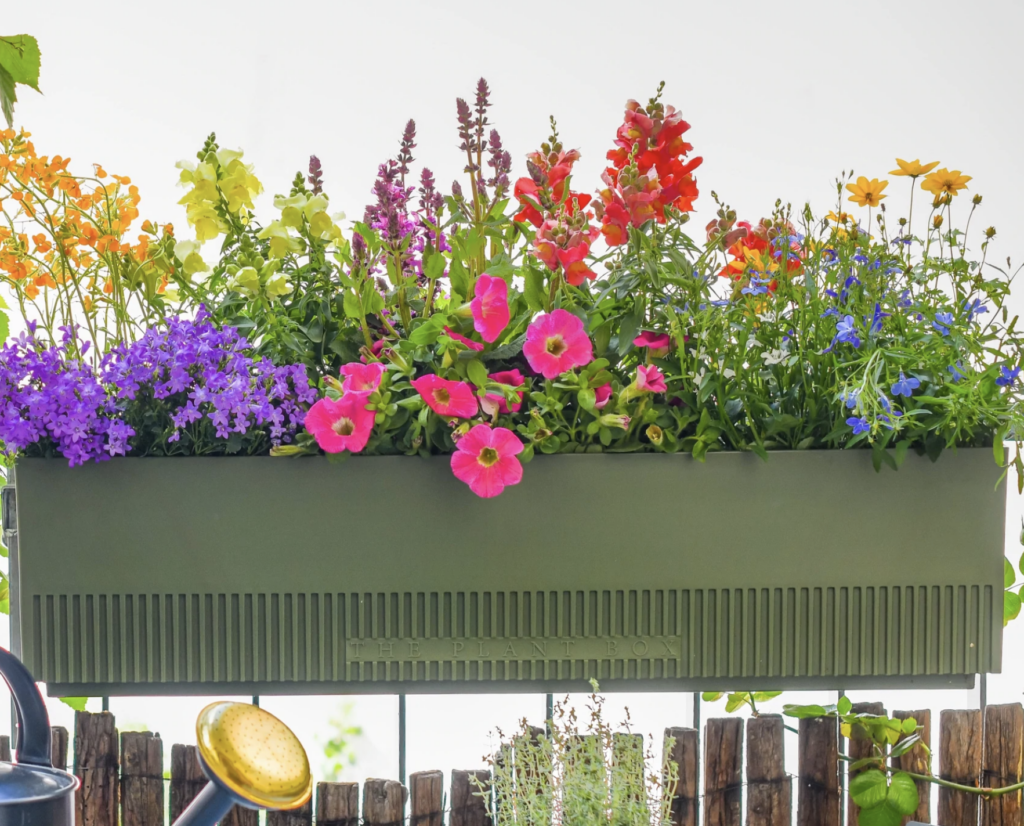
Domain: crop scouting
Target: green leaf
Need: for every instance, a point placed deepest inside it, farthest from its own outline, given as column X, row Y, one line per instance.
column 534, row 288
column 5, row 327
column 998, row 450
column 428, row 331
column 459, row 278
column 1011, row 606
column 845, row 705
column 884, row 814
column 19, row 55
column 587, row 398
column 868, row 788
column 1009, row 575
column 903, row 793
column 77, row 703
column 351, row 305
column 900, row 452
column 8, row 97
column 736, row 700
column 909, row 725
column 804, row 712
column 477, row 372
column 433, row 266
column 628, row 328
column 904, row 746
column 372, row 302
column 712, row 696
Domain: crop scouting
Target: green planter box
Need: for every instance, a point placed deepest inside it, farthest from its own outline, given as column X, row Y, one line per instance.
column 386, row 574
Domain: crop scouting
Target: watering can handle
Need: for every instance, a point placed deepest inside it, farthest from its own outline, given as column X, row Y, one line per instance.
column 33, row 721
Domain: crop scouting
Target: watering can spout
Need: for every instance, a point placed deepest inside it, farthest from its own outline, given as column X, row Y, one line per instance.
column 251, row 758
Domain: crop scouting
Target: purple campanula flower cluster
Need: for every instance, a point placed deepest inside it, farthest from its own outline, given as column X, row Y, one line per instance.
column 47, row 396
column 185, row 377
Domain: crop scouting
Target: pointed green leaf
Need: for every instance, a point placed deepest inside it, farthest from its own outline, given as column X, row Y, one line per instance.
column 8, row 97
column 534, row 288
column 804, row 712
column 477, row 372
column 1009, row 575
column 845, row 705
column 1011, row 606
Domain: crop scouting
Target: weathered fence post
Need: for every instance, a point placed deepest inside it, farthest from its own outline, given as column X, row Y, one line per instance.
column 96, row 765
column 959, row 762
column 859, row 749
column 302, row 816
column 818, row 773
column 918, row 760
column 723, row 771
column 686, row 757
column 426, row 798
column 468, row 807
column 58, row 747
column 337, row 804
column 1001, row 763
column 769, row 792
column 142, row 779
column 187, row 780
column 384, row 802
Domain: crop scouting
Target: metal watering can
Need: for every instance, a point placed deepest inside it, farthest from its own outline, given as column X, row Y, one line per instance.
column 251, row 758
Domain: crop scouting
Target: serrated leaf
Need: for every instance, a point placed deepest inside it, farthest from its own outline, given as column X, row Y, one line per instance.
column 903, row 794
column 19, row 55
column 868, row 788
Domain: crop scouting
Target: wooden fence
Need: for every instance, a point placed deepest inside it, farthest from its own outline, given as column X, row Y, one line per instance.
column 743, row 774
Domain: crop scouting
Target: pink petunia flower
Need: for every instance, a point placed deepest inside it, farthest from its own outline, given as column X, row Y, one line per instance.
column 602, row 395
column 447, row 398
column 513, row 378
column 556, row 342
column 490, row 307
column 472, row 345
column 650, row 379
column 486, row 460
column 361, row 378
column 658, row 344
column 341, row 425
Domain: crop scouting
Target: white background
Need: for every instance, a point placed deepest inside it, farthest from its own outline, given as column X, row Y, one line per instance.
column 781, row 96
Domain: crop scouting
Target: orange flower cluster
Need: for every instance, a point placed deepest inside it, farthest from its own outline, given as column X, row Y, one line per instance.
column 757, row 250
column 68, row 233
column 564, row 234
column 648, row 173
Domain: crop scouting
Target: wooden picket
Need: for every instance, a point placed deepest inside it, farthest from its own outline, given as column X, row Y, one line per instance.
column 123, row 782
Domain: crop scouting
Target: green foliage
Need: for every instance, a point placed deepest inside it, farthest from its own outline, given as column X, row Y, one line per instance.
column 579, row 775
column 339, row 748
column 19, row 63
column 76, row 703
column 738, row 699
column 1011, row 594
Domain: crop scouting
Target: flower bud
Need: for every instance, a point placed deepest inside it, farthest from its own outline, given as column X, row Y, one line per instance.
column 976, row 200
column 614, row 420
column 990, row 232
column 937, row 221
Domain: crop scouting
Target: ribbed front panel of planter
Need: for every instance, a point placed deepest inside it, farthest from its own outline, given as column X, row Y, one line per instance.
column 240, row 575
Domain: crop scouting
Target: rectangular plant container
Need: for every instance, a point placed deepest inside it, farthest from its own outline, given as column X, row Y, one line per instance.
column 386, row 574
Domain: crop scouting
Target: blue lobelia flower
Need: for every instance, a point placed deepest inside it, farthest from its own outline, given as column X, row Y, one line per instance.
column 957, row 370
column 757, row 286
column 905, row 386
column 876, row 320
column 850, row 398
column 974, row 308
column 942, row 322
column 846, row 332
column 859, row 425
column 1008, row 377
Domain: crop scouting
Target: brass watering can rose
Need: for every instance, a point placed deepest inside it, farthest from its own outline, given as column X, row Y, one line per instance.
column 254, row 754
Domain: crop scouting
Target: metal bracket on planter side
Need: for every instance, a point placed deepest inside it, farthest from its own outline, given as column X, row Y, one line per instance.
column 8, row 509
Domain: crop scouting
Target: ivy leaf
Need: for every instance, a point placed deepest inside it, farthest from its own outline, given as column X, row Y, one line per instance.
column 869, row 789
